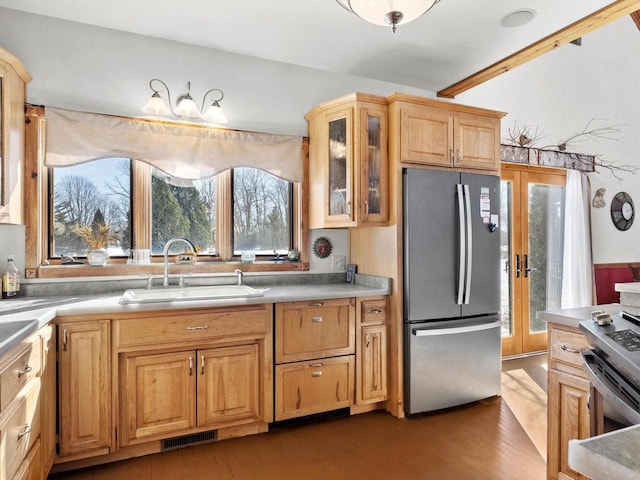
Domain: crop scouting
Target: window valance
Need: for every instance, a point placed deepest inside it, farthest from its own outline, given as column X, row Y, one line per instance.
column 182, row 151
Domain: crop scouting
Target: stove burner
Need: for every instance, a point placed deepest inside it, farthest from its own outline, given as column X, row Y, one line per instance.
column 629, row 339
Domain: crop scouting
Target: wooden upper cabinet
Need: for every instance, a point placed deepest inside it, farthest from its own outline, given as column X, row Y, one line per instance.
column 348, row 162
column 443, row 134
column 13, row 78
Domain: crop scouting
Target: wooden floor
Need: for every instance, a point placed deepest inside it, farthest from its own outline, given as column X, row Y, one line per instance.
column 481, row 441
column 524, row 388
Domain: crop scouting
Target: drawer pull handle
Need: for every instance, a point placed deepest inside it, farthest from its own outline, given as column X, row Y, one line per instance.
column 316, row 374
column 26, row 370
column 316, row 304
column 319, row 364
column 316, row 319
column 198, row 327
column 26, row 431
column 567, row 349
column 374, row 311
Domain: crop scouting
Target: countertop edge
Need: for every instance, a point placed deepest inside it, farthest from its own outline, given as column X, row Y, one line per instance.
column 109, row 303
column 607, row 455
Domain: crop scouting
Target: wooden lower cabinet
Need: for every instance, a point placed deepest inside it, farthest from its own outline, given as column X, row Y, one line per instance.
column 168, row 394
column 157, row 395
column 567, row 400
column 308, row 387
column 372, row 360
column 372, row 357
column 228, row 385
column 84, row 386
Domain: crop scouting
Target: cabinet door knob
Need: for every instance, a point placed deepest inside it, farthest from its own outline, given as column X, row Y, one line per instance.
column 190, row 366
column 64, row 340
column 26, row 431
column 568, row 349
column 201, row 364
column 26, row 370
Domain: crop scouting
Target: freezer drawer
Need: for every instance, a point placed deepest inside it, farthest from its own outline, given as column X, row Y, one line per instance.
column 451, row 363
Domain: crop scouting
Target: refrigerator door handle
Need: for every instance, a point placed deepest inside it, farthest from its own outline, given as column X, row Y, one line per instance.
column 467, row 203
column 462, row 244
column 430, row 332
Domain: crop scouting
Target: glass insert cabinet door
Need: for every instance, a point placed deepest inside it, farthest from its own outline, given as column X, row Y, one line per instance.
column 340, row 190
column 373, row 166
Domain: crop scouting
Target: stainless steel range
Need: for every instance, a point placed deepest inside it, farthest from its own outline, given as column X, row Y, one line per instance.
column 613, row 365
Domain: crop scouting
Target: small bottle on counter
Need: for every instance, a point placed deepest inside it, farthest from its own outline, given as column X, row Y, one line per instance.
column 10, row 279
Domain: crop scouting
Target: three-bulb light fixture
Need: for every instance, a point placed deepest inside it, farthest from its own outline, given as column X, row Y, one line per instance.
column 388, row 12
column 185, row 105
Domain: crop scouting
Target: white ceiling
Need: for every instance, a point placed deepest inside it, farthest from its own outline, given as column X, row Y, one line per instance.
column 455, row 39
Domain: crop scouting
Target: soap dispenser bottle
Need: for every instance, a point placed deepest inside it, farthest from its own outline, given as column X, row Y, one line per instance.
column 10, row 279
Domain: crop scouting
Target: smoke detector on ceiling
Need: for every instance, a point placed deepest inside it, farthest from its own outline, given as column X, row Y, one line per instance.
column 517, row 18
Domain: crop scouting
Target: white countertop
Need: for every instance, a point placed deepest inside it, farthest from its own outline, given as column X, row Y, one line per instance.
column 45, row 309
column 628, row 287
column 613, row 455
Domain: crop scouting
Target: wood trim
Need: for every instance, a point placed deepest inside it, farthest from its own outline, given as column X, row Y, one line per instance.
column 301, row 210
column 519, row 167
column 16, row 64
column 35, row 187
column 566, row 35
column 140, row 204
column 224, row 219
column 635, row 16
column 606, row 266
column 447, row 106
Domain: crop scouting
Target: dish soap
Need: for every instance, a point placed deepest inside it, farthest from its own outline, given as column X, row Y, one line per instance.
column 10, row 279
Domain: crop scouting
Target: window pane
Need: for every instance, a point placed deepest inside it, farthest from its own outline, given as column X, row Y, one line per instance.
column 92, row 193
column 261, row 212
column 546, row 241
column 182, row 208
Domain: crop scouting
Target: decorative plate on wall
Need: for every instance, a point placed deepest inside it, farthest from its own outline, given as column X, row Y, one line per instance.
column 322, row 247
column 622, row 211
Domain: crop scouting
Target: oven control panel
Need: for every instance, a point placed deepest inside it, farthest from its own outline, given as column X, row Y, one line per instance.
column 628, row 339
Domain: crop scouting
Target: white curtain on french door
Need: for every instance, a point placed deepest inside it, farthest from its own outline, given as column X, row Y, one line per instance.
column 577, row 279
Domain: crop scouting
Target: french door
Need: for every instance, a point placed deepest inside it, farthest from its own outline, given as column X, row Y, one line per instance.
column 532, row 242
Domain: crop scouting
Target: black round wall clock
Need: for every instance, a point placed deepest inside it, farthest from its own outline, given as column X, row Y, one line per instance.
column 622, row 211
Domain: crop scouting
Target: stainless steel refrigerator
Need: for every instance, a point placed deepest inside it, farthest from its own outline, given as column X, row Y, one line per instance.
column 451, row 288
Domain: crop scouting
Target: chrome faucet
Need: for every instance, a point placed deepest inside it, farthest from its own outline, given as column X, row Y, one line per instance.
column 238, row 272
column 165, row 281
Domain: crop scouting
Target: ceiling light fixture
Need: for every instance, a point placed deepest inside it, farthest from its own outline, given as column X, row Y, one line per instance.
column 185, row 106
column 388, row 12
column 517, row 18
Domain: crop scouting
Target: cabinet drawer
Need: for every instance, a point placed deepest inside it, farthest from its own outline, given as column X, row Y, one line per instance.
column 198, row 327
column 564, row 351
column 27, row 365
column 310, row 387
column 317, row 329
column 374, row 312
column 19, row 430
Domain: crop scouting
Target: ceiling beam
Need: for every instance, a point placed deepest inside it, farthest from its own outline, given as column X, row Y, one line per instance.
column 597, row 19
column 636, row 18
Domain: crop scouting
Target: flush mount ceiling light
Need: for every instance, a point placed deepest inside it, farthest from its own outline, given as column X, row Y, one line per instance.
column 185, row 106
column 517, row 18
column 388, row 12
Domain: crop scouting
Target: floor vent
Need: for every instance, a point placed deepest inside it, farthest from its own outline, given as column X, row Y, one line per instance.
column 189, row 440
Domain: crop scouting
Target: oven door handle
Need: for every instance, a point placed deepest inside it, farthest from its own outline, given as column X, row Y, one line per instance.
column 607, row 393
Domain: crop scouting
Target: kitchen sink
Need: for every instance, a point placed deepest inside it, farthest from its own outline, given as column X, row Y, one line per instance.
column 189, row 293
